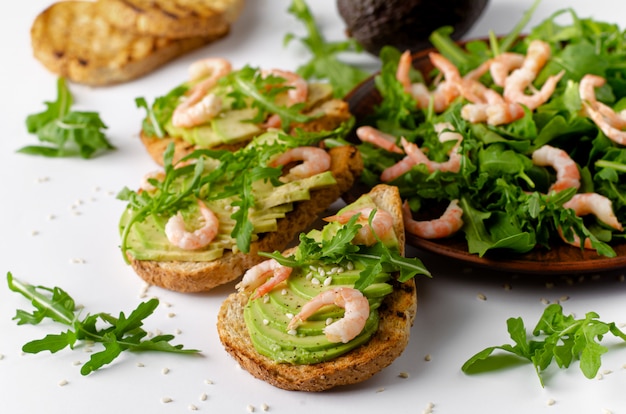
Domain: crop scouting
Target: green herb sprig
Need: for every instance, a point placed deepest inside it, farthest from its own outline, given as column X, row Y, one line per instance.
column 563, row 339
column 124, row 333
column 339, row 248
column 324, row 64
column 68, row 133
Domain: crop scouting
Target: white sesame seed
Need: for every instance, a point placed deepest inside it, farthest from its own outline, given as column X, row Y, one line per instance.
column 551, row 402
column 315, row 281
column 481, row 296
column 62, row 383
column 171, row 315
column 309, row 276
column 192, row 407
column 564, row 298
column 427, row 357
column 177, row 331
column 165, row 371
column 140, row 365
column 266, row 322
column 606, row 411
column 1, row 357
column 266, row 299
column 621, row 278
column 289, row 315
column 51, row 216
column 166, row 400
column 43, row 179
column 250, row 408
column 328, row 281
column 292, row 332
column 381, row 389
column 208, row 381
column 283, row 292
column 75, row 363
column 403, row 375
column 549, row 285
column 544, row 301
column 329, row 321
column 34, row 233
column 507, row 286
column 265, row 407
column 350, row 266
column 322, row 272
column 203, row 396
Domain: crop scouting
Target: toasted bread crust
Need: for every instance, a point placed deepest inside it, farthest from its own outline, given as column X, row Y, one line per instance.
column 174, row 19
column 333, row 113
column 397, row 314
column 73, row 40
column 346, row 166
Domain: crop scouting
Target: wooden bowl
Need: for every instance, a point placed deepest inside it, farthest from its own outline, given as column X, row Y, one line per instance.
column 560, row 259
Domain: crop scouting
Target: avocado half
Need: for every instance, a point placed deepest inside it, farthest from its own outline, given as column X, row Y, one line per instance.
column 406, row 24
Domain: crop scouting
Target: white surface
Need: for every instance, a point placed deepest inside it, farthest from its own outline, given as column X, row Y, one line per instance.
column 71, row 205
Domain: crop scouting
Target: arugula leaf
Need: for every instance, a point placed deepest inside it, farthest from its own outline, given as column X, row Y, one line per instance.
column 562, row 338
column 161, row 111
column 120, row 334
column 339, row 249
column 324, row 63
column 69, row 133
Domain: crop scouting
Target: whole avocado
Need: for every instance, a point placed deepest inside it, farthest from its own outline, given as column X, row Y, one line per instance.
column 406, row 24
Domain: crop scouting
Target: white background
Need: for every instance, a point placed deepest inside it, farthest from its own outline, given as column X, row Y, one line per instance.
column 58, row 227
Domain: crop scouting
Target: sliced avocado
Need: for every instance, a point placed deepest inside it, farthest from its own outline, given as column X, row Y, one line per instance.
column 233, row 126
column 296, row 190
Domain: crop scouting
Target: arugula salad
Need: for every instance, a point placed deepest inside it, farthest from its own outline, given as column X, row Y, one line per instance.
column 566, row 96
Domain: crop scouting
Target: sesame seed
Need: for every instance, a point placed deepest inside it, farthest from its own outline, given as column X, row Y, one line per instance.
column 62, row 383
column 266, row 322
column 34, row 233
column 250, row 408
column 51, row 217
column 283, row 292
column 403, row 375
column 607, row 372
column 507, row 286
column 140, row 365
column 203, row 397
column 177, row 331
column 381, row 389
column 171, row 315
column 309, row 276
column 322, row 272
column 289, row 315
column 266, row 299
column 43, row 179
column 564, row 298
column 315, row 281
column 208, row 381
column 544, row 301
column 549, row 285
column 165, row 371
column 265, row 407
column 350, row 266
column 481, row 296
column 329, row 321
column 599, row 377
column 606, row 411
column 192, row 407
column 292, row 332
column 427, row 357
column 328, row 281
column 75, row 363
column 1, row 357
column 551, row 402
column 166, row 400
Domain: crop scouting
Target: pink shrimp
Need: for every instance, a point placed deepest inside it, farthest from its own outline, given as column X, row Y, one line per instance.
column 504, row 64
column 378, row 138
column 449, row 223
column 356, row 307
column 567, row 174
column 596, row 204
column 199, row 107
column 257, row 275
column 445, row 92
column 609, row 122
column 382, row 224
column 416, row 156
column 515, row 84
column 298, row 92
column 177, row 235
column 315, row 161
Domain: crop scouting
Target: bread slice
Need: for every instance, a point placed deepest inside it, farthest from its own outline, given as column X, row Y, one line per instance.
column 397, row 314
column 346, row 166
column 174, row 19
column 331, row 114
column 73, row 40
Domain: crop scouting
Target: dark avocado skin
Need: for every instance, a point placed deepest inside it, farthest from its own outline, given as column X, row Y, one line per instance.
column 406, row 24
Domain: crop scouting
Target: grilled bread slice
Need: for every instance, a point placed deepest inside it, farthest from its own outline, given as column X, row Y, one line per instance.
column 346, row 166
column 174, row 19
column 73, row 40
column 397, row 314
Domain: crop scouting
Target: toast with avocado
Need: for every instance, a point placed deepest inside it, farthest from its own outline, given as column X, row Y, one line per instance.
column 202, row 221
column 220, row 107
column 332, row 311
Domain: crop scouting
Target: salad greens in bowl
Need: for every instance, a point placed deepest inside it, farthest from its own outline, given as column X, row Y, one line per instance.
column 509, row 152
